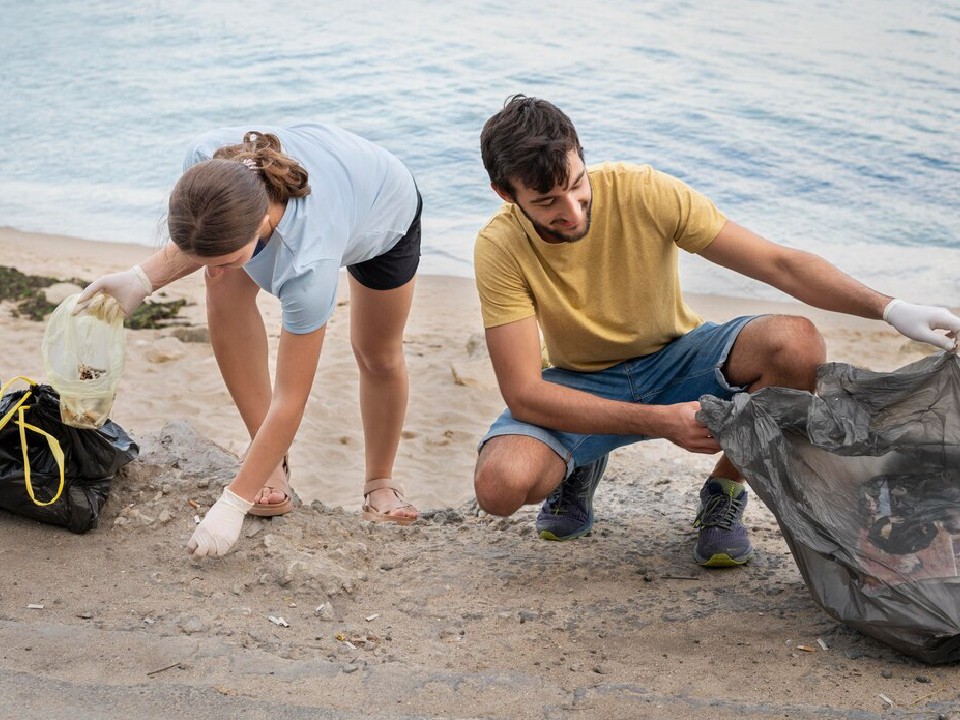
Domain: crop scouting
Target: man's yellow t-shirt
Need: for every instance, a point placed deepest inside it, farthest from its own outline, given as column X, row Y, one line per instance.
column 613, row 295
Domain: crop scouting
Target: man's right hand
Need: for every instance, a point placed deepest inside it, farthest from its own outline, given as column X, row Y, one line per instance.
column 682, row 428
column 129, row 288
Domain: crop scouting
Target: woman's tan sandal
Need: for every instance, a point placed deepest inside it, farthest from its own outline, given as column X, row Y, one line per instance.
column 382, row 513
column 263, row 509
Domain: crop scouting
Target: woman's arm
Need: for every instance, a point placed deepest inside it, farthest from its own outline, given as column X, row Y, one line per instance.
column 297, row 360
column 296, row 366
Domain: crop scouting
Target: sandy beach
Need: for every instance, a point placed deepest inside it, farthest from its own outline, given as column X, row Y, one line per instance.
column 461, row 615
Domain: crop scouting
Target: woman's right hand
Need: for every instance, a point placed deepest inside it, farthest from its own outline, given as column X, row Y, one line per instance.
column 129, row 288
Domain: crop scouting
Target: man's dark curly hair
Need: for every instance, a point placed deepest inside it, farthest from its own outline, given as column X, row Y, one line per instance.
column 528, row 141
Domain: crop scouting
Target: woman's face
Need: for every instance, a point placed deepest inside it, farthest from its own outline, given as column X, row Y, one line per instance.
column 231, row 261
column 217, row 264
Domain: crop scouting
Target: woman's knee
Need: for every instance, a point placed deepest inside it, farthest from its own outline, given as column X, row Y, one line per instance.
column 380, row 362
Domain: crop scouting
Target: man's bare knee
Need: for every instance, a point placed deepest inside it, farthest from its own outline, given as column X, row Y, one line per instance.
column 513, row 471
column 781, row 350
column 493, row 490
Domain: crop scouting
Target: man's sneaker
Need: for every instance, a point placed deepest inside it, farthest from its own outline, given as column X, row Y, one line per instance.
column 567, row 513
column 722, row 539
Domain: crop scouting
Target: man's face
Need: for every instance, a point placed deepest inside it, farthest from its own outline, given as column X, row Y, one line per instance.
column 561, row 215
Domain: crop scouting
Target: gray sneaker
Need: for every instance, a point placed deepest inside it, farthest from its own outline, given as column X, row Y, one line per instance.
column 722, row 539
column 567, row 513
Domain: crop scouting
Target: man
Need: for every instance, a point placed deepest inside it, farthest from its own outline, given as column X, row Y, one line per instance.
column 588, row 257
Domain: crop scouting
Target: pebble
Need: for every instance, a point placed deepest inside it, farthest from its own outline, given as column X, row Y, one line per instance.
column 886, row 674
column 193, row 625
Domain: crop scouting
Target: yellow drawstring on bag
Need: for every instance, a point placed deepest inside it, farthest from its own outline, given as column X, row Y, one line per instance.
column 19, row 409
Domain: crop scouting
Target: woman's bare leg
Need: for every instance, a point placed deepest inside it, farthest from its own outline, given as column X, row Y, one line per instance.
column 239, row 341
column 377, row 320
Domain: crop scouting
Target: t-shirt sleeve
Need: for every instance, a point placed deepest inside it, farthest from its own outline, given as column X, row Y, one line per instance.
column 504, row 295
column 307, row 301
column 695, row 220
column 203, row 147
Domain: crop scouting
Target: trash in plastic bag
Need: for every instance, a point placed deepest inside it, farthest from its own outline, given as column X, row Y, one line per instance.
column 864, row 480
column 50, row 471
column 83, row 358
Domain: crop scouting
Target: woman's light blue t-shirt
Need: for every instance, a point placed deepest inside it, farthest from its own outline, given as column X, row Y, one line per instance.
column 362, row 201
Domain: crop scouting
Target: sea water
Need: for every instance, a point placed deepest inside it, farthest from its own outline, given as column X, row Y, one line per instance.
column 828, row 126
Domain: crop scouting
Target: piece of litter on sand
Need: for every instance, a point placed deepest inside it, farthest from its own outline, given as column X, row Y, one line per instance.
column 168, row 667
column 806, row 648
column 193, row 503
column 822, row 644
column 34, row 606
column 371, row 618
column 889, row 703
column 278, row 621
column 196, row 519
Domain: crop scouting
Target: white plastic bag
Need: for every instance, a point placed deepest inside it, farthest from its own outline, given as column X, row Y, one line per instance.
column 83, row 358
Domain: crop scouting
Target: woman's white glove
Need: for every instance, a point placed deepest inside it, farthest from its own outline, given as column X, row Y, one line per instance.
column 918, row 322
column 129, row 288
column 220, row 527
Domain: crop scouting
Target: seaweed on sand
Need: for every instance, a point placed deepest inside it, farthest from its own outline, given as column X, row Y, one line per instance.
column 26, row 294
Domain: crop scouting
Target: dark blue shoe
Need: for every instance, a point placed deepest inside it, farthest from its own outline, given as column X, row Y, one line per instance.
column 567, row 513
column 722, row 539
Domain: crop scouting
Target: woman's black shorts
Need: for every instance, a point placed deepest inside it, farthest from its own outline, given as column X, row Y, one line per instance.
column 395, row 267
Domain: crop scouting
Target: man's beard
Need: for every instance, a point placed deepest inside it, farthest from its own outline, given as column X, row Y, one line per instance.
column 561, row 237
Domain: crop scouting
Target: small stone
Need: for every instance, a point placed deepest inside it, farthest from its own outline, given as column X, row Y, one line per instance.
column 923, row 679
column 193, row 625
column 192, row 334
column 887, row 674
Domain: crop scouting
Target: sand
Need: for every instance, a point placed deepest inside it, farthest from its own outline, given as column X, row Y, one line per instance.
column 461, row 615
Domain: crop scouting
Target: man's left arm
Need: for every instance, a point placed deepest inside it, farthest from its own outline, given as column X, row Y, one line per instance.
column 814, row 281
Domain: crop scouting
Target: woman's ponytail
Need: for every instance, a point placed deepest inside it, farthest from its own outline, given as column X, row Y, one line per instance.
column 283, row 176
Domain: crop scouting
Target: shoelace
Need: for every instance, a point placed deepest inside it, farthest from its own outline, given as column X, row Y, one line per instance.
column 719, row 511
column 567, row 497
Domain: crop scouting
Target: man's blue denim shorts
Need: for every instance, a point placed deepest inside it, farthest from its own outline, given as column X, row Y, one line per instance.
column 685, row 370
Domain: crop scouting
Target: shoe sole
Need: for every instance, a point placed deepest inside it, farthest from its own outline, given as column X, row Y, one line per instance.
column 272, row 510
column 719, row 560
column 547, row 535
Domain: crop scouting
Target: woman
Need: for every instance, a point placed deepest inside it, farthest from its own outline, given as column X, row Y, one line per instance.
column 284, row 209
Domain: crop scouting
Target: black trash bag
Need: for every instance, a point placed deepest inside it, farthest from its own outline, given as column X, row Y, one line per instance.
column 864, row 480
column 90, row 459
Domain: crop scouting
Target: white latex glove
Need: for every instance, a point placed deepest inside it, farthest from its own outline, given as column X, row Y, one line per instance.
column 220, row 527
column 918, row 322
column 129, row 288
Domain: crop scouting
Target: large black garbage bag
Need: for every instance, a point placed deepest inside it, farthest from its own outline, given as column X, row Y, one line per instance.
column 66, row 477
column 864, row 480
